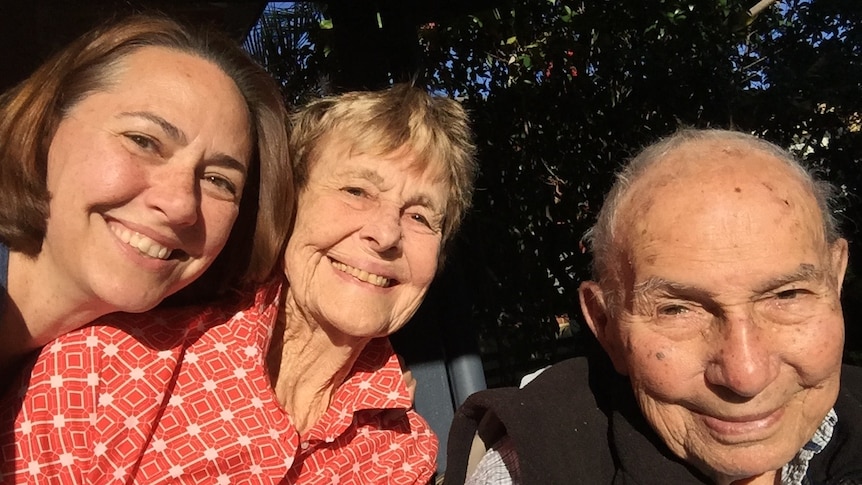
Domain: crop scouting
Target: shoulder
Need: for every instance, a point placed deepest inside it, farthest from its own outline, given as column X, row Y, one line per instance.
column 554, row 423
column 421, row 447
column 556, row 394
column 574, row 371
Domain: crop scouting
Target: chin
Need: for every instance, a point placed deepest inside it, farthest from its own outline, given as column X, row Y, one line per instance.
column 132, row 300
column 136, row 306
column 749, row 464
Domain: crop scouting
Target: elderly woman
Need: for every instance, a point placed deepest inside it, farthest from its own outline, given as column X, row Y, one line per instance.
column 295, row 382
column 124, row 161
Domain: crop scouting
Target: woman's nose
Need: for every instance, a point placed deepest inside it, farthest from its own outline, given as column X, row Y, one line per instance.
column 174, row 191
column 383, row 229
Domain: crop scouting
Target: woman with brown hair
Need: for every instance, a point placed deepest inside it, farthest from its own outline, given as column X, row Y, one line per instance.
column 294, row 382
column 124, row 162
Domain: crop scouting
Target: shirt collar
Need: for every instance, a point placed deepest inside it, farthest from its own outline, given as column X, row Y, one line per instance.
column 794, row 472
column 375, row 385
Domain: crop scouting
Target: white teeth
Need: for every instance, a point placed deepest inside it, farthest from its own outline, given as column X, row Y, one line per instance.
column 142, row 243
column 362, row 275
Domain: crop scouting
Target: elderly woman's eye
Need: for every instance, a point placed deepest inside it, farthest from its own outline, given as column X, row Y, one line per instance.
column 355, row 191
column 420, row 219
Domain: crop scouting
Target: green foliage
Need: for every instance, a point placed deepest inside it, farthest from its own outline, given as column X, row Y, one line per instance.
column 291, row 40
column 562, row 92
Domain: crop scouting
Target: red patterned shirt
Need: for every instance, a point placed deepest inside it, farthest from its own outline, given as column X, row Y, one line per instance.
column 182, row 395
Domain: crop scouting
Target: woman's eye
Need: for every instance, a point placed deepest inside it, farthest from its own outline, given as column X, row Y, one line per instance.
column 420, row 219
column 142, row 141
column 222, row 184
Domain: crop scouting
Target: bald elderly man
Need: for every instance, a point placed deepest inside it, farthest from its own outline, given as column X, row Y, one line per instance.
column 718, row 270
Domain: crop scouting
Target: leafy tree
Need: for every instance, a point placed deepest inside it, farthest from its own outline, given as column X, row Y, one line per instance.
column 291, row 41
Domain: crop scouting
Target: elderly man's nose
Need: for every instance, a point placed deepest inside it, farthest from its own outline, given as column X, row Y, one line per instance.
column 743, row 361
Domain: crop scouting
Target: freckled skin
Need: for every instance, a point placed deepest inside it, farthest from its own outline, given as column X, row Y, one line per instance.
column 730, row 326
column 109, row 168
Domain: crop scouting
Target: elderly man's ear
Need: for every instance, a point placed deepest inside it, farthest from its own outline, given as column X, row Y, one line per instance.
column 839, row 261
column 595, row 310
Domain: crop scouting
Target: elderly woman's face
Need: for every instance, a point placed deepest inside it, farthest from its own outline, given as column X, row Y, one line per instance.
column 366, row 241
column 145, row 180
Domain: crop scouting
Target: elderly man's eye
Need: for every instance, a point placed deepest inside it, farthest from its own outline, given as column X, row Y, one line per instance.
column 672, row 310
column 789, row 294
column 355, row 191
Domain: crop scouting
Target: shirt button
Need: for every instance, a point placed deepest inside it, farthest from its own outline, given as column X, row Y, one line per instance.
column 304, row 445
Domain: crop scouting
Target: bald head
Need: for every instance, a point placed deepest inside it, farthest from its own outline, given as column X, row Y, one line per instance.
column 690, row 171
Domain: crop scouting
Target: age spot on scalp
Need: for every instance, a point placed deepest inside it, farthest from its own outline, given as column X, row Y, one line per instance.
column 659, row 355
column 737, row 190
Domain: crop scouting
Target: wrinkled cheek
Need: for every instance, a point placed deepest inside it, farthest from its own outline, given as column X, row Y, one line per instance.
column 818, row 351
column 668, row 421
column 661, row 371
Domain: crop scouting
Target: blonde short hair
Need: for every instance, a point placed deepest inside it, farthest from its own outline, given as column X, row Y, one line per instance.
column 434, row 129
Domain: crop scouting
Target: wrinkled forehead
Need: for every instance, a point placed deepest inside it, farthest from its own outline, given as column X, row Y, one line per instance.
column 706, row 191
column 409, row 158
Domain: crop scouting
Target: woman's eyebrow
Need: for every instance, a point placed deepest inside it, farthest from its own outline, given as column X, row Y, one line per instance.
column 363, row 173
column 172, row 131
column 228, row 161
column 178, row 136
column 424, row 200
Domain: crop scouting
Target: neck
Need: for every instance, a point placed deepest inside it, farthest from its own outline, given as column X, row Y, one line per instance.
column 307, row 362
column 770, row 478
column 39, row 309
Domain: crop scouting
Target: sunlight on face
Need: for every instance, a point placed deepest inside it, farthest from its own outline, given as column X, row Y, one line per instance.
column 145, row 178
column 731, row 328
column 366, row 241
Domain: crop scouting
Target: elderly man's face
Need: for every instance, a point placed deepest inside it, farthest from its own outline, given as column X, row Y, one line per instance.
column 729, row 323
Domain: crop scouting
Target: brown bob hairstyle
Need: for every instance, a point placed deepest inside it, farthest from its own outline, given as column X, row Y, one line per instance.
column 31, row 111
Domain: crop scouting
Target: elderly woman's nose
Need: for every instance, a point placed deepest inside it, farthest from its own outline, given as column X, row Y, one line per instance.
column 383, row 230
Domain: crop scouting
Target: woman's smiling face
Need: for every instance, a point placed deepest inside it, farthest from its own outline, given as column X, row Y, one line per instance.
column 366, row 242
column 145, row 180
